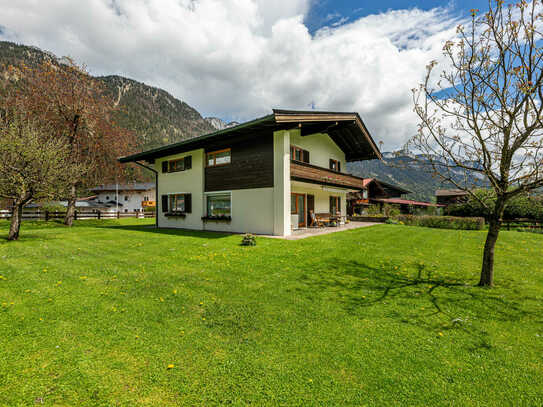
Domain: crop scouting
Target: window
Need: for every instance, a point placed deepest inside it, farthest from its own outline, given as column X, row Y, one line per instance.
column 176, row 165
column 219, row 205
column 335, row 165
column 298, row 154
column 145, row 198
column 216, row 158
column 180, row 164
column 335, row 204
column 107, row 198
column 126, row 198
column 177, row 203
column 365, row 194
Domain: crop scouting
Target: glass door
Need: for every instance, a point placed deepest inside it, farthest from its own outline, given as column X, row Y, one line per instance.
column 298, row 207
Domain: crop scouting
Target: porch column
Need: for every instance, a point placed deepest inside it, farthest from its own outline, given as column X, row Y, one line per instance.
column 281, row 183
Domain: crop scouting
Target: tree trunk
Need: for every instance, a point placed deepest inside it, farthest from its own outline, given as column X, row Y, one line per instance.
column 16, row 218
column 494, row 225
column 70, row 210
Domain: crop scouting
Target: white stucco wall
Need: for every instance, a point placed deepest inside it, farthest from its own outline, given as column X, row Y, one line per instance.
column 281, row 182
column 252, row 212
column 182, row 182
column 321, row 148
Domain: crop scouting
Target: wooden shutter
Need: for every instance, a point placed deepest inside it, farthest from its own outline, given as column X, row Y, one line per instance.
column 339, row 166
column 292, row 153
column 332, row 205
column 164, row 203
column 188, row 162
column 331, row 164
column 338, row 204
column 164, row 166
column 188, row 203
column 305, row 156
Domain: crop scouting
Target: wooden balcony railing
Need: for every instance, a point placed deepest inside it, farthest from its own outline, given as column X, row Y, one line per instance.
column 311, row 173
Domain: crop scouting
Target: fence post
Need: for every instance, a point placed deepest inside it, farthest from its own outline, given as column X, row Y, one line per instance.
column 46, row 215
column 75, row 214
column 99, row 214
column 118, row 214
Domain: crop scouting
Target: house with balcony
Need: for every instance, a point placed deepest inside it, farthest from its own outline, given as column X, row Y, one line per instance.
column 265, row 176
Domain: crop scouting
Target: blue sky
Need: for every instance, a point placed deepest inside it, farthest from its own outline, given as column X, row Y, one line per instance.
column 327, row 12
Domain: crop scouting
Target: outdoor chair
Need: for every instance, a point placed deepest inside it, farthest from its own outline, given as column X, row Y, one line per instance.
column 315, row 221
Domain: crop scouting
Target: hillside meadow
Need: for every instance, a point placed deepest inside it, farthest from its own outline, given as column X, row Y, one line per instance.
column 118, row 313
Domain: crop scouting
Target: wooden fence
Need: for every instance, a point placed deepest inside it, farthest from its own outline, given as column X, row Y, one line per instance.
column 54, row 215
column 525, row 224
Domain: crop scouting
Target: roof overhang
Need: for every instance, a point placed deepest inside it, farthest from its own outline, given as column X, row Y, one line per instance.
column 346, row 129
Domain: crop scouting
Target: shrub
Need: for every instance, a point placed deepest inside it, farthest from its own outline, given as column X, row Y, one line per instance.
column 442, row 222
column 248, row 240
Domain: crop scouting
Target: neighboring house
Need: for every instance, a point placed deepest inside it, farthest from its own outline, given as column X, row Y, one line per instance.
column 134, row 197
column 450, row 196
column 263, row 176
column 377, row 192
column 87, row 203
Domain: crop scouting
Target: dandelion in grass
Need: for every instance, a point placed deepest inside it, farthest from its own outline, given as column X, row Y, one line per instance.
column 171, row 366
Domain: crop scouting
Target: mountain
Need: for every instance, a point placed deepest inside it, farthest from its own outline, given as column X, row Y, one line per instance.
column 219, row 124
column 156, row 117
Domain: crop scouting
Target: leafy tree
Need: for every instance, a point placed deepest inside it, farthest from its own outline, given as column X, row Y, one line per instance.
column 78, row 112
column 482, row 118
column 33, row 166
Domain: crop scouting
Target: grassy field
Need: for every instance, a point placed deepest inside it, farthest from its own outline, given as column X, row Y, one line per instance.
column 118, row 314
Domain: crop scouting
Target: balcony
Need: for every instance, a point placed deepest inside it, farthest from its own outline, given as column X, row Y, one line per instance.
column 304, row 172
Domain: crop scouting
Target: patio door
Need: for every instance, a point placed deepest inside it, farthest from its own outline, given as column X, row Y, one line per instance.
column 297, row 207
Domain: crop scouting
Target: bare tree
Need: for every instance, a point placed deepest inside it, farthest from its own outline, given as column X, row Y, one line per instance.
column 33, row 166
column 481, row 118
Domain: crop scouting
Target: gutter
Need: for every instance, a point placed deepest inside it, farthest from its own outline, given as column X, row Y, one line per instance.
column 156, row 189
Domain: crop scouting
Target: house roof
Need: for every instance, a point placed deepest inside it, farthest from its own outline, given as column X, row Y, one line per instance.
column 346, row 129
column 405, row 202
column 451, row 192
column 136, row 186
column 368, row 181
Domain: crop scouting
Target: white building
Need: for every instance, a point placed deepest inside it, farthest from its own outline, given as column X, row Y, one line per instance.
column 266, row 176
column 133, row 197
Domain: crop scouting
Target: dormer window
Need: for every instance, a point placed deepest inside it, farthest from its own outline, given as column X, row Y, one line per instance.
column 335, row 165
column 298, row 154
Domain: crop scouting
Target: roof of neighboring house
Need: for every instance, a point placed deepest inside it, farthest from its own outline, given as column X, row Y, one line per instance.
column 136, row 186
column 346, row 129
column 405, row 202
column 368, row 181
column 451, row 192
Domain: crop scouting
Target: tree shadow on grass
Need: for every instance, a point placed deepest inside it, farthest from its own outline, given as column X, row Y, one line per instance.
column 417, row 294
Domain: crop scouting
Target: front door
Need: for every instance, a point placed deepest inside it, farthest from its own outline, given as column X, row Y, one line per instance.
column 298, row 207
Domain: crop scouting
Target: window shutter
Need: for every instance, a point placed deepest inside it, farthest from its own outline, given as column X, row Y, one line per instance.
column 339, row 166
column 291, row 153
column 338, row 204
column 305, row 158
column 188, row 162
column 188, row 203
column 164, row 203
column 331, row 205
column 164, row 166
column 331, row 164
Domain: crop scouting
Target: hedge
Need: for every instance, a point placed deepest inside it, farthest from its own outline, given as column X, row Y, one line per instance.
column 442, row 222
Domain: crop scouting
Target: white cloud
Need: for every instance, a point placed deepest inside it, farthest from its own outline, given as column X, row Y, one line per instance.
column 239, row 58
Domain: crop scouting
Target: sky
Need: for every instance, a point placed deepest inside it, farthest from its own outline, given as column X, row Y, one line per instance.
column 238, row 59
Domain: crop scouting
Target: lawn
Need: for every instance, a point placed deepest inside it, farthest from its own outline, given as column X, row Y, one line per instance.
column 117, row 313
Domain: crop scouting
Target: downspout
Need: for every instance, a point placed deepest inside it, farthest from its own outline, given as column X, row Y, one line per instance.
column 156, row 189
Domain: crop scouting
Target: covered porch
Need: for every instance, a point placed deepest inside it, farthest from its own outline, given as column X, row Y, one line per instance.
column 318, row 196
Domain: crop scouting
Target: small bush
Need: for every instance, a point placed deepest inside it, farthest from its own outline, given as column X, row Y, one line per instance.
column 442, row 222
column 248, row 240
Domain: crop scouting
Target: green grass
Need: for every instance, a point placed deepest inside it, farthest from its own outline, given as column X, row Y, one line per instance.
column 386, row 315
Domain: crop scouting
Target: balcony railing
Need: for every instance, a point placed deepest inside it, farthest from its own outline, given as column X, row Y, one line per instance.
column 300, row 171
